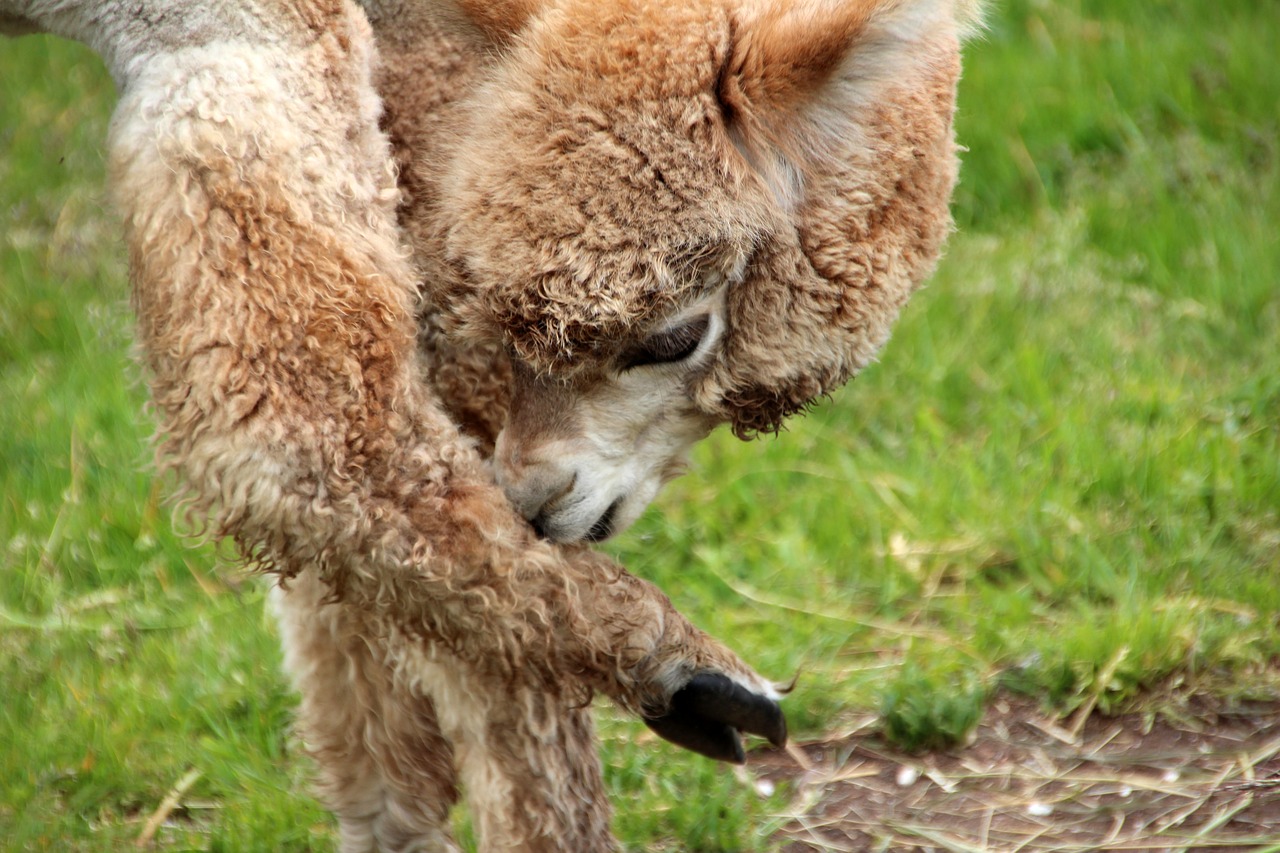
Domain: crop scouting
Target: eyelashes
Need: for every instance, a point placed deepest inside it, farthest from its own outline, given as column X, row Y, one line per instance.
column 667, row 347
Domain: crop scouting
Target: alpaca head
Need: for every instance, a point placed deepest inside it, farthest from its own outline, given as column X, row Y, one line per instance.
column 680, row 213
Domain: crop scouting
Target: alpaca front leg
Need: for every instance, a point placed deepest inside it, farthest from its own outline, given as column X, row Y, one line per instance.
column 554, row 796
column 550, row 757
column 384, row 769
column 527, row 757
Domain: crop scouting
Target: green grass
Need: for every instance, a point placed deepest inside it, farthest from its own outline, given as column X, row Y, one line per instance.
column 1063, row 479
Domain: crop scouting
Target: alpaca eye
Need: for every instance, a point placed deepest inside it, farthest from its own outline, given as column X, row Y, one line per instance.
column 668, row 347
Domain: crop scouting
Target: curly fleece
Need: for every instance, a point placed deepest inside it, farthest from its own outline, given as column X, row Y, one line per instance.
column 605, row 163
column 425, row 625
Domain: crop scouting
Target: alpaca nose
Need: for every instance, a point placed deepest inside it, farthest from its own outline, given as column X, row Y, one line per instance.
column 540, row 497
column 536, row 494
column 532, row 484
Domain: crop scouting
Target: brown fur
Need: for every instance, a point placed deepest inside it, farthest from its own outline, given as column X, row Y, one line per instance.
column 429, row 631
column 575, row 181
column 580, row 176
column 568, row 173
column 782, row 56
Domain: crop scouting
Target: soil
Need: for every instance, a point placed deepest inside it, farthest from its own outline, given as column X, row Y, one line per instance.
column 1204, row 780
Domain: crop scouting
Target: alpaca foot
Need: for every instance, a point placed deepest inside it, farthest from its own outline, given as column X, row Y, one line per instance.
column 709, row 712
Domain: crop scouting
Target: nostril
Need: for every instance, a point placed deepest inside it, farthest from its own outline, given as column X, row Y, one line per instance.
column 536, row 495
column 544, row 510
column 567, row 490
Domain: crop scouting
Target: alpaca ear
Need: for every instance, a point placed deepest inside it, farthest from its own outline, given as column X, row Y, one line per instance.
column 798, row 71
column 483, row 22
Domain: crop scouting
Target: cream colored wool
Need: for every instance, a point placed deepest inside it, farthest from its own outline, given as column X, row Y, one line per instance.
column 579, row 176
column 433, row 637
column 571, row 167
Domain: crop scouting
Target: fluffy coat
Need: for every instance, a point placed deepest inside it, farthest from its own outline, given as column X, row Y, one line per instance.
column 434, row 638
column 801, row 151
column 574, row 170
column 583, row 178
column 559, row 218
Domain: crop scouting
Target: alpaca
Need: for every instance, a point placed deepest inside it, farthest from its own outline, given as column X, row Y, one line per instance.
column 435, row 638
column 745, row 241
column 644, row 218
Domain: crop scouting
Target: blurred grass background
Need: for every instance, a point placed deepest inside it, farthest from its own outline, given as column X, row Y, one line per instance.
column 1063, row 479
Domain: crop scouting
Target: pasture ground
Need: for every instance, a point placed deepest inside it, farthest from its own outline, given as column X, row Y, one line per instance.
column 1054, row 504
column 1201, row 779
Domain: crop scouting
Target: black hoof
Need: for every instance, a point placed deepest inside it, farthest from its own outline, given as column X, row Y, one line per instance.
column 707, row 714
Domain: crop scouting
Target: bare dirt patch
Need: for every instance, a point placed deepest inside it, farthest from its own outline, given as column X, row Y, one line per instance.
column 1205, row 780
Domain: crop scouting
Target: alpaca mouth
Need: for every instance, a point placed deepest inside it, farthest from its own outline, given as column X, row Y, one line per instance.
column 546, row 527
column 603, row 528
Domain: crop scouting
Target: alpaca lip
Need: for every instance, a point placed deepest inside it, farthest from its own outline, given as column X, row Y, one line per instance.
column 544, row 524
column 603, row 528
